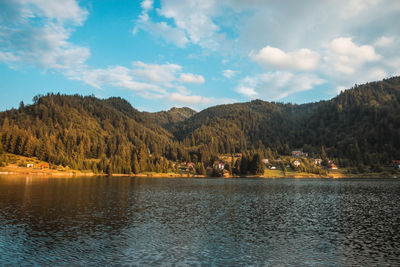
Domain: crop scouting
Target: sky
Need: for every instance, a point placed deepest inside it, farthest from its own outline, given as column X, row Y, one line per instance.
column 197, row 53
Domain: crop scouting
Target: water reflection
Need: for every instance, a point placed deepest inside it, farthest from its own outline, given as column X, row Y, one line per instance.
column 139, row 221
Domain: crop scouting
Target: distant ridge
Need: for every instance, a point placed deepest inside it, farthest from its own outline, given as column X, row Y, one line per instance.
column 168, row 119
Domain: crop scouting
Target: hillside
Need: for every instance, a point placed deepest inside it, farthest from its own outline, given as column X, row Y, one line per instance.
column 170, row 118
column 86, row 133
column 358, row 128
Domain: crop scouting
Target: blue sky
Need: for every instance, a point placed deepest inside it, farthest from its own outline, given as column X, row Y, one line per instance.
column 198, row 53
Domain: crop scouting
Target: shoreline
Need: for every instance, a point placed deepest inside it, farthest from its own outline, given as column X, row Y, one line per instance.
column 23, row 171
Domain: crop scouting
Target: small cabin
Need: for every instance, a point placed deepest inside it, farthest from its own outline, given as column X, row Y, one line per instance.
column 317, row 162
column 296, row 163
column 332, row 166
column 29, row 165
column 221, row 165
column 44, row 165
column 189, row 166
column 396, row 164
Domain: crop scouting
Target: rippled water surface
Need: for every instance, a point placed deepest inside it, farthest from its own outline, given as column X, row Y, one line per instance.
column 143, row 221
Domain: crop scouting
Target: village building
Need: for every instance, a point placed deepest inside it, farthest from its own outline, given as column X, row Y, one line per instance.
column 317, row 162
column 221, row 165
column 190, row 166
column 332, row 166
column 396, row 164
column 44, row 165
column 296, row 163
column 29, row 165
column 238, row 155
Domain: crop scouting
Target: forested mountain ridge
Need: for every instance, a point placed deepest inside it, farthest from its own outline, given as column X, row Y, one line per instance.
column 85, row 133
column 359, row 127
column 170, row 118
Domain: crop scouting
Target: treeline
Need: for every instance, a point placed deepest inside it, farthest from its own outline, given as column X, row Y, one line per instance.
column 87, row 133
column 360, row 128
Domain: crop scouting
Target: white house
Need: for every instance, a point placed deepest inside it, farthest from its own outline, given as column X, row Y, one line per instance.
column 296, row 163
column 221, row 165
column 317, row 162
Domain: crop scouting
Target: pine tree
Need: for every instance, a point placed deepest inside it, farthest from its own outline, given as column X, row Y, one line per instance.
column 256, row 165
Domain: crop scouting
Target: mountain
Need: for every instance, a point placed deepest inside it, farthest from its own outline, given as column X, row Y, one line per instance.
column 170, row 118
column 359, row 128
column 86, row 133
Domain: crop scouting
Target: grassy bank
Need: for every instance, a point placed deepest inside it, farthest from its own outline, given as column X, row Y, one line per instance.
column 17, row 165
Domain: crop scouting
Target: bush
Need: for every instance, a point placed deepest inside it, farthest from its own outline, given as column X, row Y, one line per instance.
column 22, row 164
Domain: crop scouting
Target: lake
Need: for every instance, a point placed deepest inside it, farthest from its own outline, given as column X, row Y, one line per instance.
column 155, row 221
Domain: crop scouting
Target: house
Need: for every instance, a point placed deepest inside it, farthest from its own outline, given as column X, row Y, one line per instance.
column 278, row 160
column 189, row 166
column 265, row 161
column 396, row 163
column 296, row 163
column 298, row 154
column 221, row 165
column 44, row 165
column 238, row 155
column 317, row 162
column 29, row 165
column 332, row 166
column 273, row 168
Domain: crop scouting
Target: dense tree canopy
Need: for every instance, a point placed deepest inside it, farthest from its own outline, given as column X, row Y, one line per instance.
column 361, row 126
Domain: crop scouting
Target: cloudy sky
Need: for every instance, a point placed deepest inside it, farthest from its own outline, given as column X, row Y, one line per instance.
column 197, row 53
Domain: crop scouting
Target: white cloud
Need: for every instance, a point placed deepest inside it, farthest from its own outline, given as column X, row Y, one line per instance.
column 277, row 84
column 247, row 91
column 272, row 57
column 147, row 5
column 229, row 73
column 191, row 78
column 355, row 7
column 61, row 10
column 117, row 76
column 385, row 41
column 36, row 32
column 347, row 56
column 187, row 99
column 164, row 73
column 163, row 30
column 195, row 27
column 198, row 25
column 8, row 57
column 141, row 77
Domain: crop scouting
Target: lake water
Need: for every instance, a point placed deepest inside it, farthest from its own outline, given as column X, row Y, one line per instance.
column 150, row 221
